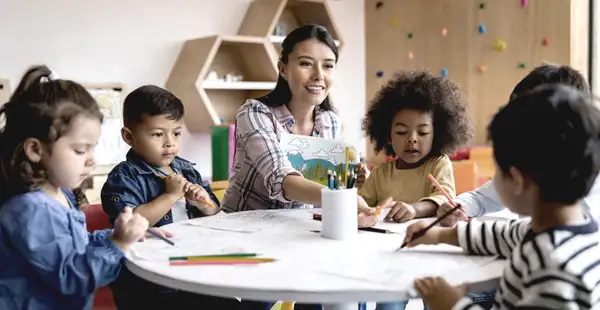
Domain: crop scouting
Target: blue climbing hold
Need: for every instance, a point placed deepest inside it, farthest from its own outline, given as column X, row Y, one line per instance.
column 379, row 74
column 481, row 28
column 444, row 73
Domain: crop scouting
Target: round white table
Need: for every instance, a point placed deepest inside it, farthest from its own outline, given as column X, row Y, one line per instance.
column 309, row 268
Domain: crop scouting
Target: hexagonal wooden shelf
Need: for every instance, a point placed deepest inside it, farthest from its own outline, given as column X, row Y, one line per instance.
column 262, row 18
column 210, row 102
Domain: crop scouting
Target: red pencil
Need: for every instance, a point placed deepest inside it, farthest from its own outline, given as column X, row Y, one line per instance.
column 452, row 203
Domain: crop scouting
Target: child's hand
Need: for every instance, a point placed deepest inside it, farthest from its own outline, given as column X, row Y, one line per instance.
column 439, row 294
column 453, row 218
column 175, row 185
column 432, row 236
column 129, row 228
column 366, row 214
column 197, row 196
column 401, row 212
column 362, row 173
column 161, row 232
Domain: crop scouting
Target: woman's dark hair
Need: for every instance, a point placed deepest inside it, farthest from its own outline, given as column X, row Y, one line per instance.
column 419, row 90
column 42, row 107
column 282, row 93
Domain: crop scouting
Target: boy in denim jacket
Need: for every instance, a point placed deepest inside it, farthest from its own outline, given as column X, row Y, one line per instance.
column 160, row 186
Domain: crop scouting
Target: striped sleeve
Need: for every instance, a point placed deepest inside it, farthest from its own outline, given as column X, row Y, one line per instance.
column 256, row 130
column 491, row 237
column 554, row 289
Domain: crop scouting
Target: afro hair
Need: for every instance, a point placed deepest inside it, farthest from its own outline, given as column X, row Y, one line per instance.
column 419, row 90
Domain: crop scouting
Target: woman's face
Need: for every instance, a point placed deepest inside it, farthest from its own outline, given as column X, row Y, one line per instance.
column 309, row 71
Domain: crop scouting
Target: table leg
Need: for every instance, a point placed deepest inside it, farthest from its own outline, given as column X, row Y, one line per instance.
column 347, row 306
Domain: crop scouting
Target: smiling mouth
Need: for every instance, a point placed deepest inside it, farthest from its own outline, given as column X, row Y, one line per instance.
column 315, row 88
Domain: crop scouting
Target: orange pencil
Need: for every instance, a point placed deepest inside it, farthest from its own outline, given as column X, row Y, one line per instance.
column 203, row 201
column 437, row 184
column 381, row 206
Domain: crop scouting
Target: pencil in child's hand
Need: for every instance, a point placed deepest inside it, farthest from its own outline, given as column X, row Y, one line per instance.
column 382, row 205
column 421, row 232
column 150, row 231
column 437, row 184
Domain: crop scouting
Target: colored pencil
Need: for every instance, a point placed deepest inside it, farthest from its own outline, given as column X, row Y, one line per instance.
column 238, row 255
column 232, row 261
column 203, row 201
column 346, row 165
column 160, row 237
column 450, row 200
column 317, row 217
column 422, row 232
column 382, row 205
column 339, row 182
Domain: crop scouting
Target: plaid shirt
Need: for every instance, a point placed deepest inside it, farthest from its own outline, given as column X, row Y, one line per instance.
column 259, row 165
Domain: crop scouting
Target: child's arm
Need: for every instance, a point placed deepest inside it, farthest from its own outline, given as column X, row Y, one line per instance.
column 442, row 172
column 57, row 249
column 121, row 191
column 475, row 237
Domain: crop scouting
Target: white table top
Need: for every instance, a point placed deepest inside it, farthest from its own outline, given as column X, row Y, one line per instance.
column 309, row 268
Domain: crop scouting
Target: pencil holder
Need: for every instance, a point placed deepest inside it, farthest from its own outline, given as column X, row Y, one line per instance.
column 339, row 213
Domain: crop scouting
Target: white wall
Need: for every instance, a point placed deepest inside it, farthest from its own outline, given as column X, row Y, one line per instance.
column 136, row 42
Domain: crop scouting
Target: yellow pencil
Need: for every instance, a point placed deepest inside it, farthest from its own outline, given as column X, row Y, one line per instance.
column 346, row 168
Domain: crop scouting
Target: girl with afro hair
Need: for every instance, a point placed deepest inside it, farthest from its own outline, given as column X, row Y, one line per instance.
column 419, row 119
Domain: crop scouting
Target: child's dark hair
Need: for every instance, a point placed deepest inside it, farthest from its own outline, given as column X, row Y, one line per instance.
column 42, row 107
column 419, row 90
column 151, row 100
column 550, row 74
column 552, row 135
column 282, row 93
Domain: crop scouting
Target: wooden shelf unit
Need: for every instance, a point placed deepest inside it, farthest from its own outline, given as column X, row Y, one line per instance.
column 252, row 53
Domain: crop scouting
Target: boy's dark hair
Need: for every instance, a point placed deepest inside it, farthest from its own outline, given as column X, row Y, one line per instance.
column 419, row 90
column 42, row 107
column 282, row 94
column 151, row 100
column 550, row 74
column 551, row 134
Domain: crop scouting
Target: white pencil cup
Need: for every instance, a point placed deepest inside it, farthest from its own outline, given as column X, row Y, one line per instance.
column 339, row 213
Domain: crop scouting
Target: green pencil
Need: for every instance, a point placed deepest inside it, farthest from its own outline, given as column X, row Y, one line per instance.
column 214, row 256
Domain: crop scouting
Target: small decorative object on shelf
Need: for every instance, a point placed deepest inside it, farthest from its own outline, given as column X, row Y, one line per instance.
column 280, row 29
column 212, row 76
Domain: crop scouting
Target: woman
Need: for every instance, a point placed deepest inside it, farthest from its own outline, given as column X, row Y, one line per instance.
column 262, row 177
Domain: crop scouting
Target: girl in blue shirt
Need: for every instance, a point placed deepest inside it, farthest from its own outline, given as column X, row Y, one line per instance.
column 49, row 260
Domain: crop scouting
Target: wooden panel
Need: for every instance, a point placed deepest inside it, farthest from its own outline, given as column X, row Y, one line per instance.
column 464, row 49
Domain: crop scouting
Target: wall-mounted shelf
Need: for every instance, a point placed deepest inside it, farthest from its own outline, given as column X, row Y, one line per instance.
column 210, row 101
column 214, row 75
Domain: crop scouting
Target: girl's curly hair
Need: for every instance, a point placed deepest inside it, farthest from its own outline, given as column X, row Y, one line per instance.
column 419, row 90
column 41, row 107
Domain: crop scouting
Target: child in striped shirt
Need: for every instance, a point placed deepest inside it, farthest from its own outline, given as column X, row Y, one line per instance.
column 547, row 152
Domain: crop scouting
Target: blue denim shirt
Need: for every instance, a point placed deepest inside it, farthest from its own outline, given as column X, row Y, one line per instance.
column 48, row 259
column 133, row 183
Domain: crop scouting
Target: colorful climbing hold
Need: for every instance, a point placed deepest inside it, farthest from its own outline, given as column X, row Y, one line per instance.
column 444, row 73
column 522, row 65
column 379, row 74
column 481, row 68
column 546, row 42
column 444, row 32
column 379, row 4
column 500, row 45
column 394, row 21
column 482, row 5
column 411, row 55
column 523, row 3
column 410, row 35
column 481, row 28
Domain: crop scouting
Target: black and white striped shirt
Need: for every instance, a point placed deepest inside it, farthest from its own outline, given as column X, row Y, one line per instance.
column 555, row 269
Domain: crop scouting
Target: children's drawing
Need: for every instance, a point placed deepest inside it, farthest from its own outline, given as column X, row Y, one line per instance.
column 314, row 157
column 109, row 101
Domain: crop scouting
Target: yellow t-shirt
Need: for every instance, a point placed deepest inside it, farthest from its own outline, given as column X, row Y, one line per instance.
column 409, row 185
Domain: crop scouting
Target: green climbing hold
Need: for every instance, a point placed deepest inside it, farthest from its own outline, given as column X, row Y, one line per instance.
column 522, row 65
column 410, row 35
column 482, row 5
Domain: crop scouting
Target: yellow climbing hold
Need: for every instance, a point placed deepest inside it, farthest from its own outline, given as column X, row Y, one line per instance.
column 499, row 45
column 394, row 21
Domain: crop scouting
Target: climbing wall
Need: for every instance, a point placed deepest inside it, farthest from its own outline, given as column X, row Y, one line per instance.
column 484, row 46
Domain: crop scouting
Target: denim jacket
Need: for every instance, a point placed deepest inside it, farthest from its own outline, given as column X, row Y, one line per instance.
column 49, row 260
column 134, row 182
